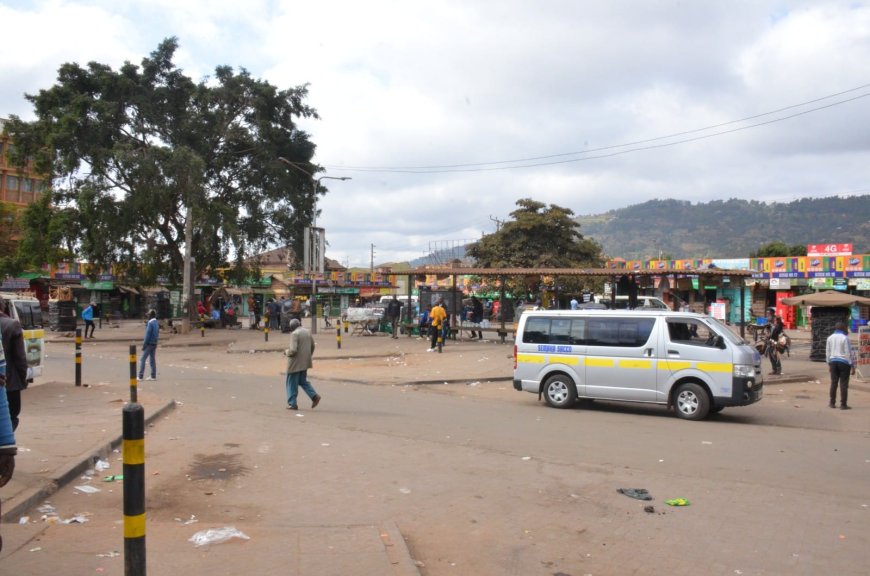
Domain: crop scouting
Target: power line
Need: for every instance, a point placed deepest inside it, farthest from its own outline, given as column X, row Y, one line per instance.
column 561, row 158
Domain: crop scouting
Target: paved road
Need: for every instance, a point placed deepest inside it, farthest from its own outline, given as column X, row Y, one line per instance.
column 479, row 478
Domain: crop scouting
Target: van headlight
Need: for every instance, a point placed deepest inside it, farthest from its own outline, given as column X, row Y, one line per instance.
column 744, row 371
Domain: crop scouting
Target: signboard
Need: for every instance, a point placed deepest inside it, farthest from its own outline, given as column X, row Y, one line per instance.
column 863, row 349
column 829, row 249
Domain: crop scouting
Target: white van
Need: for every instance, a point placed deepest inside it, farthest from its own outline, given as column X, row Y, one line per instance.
column 680, row 359
column 27, row 311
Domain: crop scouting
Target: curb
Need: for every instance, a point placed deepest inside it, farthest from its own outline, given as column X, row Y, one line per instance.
column 397, row 550
column 71, row 471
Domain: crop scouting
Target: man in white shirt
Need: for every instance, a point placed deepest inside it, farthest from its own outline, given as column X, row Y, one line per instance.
column 838, row 354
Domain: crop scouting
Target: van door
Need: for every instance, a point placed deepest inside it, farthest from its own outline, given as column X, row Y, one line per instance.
column 29, row 315
column 547, row 345
column 621, row 358
column 690, row 349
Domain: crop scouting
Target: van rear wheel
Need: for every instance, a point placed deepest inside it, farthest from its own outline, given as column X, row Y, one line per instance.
column 691, row 402
column 560, row 391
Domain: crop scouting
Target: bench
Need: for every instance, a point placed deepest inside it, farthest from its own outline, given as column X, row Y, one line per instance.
column 456, row 331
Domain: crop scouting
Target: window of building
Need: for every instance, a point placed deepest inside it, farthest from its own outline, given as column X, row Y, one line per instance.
column 26, row 185
column 11, row 182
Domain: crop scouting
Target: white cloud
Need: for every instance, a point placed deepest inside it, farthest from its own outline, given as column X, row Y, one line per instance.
column 420, row 84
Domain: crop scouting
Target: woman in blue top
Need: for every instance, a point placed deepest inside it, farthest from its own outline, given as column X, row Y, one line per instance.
column 88, row 317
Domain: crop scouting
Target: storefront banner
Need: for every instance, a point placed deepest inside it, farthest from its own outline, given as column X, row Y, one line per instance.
column 822, row 283
column 780, row 284
column 821, row 267
column 829, row 249
column 857, row 266
column 731, row 263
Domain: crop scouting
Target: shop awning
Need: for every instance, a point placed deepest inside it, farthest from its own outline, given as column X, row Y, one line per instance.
column 127, row 289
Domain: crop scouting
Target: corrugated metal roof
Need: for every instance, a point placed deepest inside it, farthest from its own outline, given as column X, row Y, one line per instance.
column 447, row 271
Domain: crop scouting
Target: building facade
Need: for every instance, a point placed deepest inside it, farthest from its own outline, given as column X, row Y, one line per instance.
column 18, row 186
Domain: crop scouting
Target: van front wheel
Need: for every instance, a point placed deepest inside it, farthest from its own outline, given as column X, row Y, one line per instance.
column 692, row 402
column 560, row 391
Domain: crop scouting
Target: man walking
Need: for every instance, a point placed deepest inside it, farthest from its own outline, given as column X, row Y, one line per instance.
column 838, row 354
column 149, row 345
column 299, row 356
column 394, row 314
column 88, row 317
column 437, row 316
column 16, row 361
column 477, row 313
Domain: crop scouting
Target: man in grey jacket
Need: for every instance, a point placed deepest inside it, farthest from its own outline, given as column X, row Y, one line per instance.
column 299, row 356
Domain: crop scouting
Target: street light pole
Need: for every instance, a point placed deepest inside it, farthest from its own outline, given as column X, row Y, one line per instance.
column 315, row 238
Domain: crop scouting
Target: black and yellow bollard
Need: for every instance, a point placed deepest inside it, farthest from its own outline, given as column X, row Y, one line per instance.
column 134, row 396
column 202, row 326
column 440, row 339
column 78, row 356
column 338, row 336
column 266, row 330
column 134, row 489
column 346, row 323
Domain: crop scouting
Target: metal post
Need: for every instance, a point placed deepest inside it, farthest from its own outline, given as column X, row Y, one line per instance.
column 338, row 336
column 78, row 356
column 134, row 489
column 133, row 382
column 266, row 328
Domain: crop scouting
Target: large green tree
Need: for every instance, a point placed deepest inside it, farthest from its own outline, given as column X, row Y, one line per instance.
column 538, row 236
column 135, row 152
column 777, row 248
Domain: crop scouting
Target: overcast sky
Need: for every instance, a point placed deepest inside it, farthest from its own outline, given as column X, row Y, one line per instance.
column 586, row 104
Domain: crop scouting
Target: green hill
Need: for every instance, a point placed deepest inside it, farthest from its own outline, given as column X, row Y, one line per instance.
column 727, row 228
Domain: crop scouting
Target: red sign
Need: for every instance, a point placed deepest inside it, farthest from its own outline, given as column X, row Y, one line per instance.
column 829, row 249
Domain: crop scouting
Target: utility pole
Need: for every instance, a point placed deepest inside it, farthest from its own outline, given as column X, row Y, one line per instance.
column 498, row 222
column 372, row 263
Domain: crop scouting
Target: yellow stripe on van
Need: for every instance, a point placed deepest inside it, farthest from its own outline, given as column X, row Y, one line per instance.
column 531, row 358
column 600, row 362
column 674, row 365
column 715, row 367
column 642, row 364
column 572, row 360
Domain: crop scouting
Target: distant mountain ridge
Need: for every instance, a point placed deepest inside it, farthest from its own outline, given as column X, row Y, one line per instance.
column 727, row 228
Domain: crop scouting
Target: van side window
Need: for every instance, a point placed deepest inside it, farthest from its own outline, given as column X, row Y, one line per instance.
column 29, row 315
column 627, row 332
column 537, row 331
column 554, row 331
column 690, row 331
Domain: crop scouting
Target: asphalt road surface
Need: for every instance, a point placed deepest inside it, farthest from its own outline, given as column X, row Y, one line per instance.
column 479, row 478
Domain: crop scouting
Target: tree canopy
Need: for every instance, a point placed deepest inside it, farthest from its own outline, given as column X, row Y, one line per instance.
column 539, row 236
column 135, row 152
column 777, row 248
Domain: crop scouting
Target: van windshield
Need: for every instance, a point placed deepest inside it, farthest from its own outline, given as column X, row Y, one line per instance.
column 726, row 331
column 29, row 314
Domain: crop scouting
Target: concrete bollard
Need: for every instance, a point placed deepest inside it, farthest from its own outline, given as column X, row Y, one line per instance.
column 78, row 356
column 134, row 396
column 134, row 489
